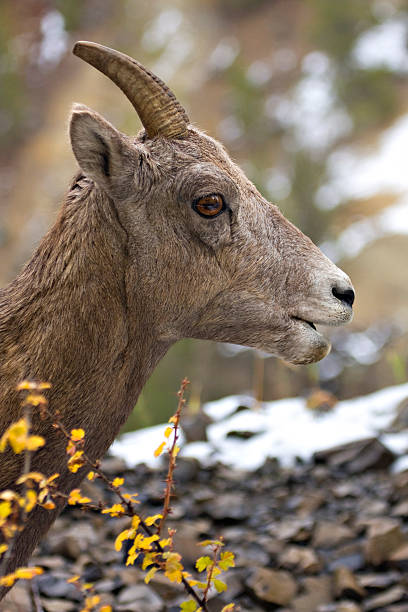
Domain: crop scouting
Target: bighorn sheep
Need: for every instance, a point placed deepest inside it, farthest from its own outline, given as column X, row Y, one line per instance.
column 160, row 237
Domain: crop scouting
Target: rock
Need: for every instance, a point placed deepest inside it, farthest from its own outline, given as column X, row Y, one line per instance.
column 374, row 507
column 357, row 457
column 229, row 507
column 78, row 538
column 91, row 572
column 348, row 606
column 242, row 434
column 318, row 591
column 139, row 598
column 329, row 535
column 187, row 469
column 308, row 504
column 301, row 559
column 341, row 606
column 18, row 599
column 54, row 587
column 399, row 557
column 108, row 585
column 353, row 562
column 384, row 537
column 58, row 605
column 271, row 586
column 346, row 585
column 292, row 530
column 249, row 555
column 379, row 581
column 393, row 595
column 166, row 590
column 400, row 421
column 401, row 509
column 195, row 426
column 113, row 466
column 53, row 563
column 345, row 489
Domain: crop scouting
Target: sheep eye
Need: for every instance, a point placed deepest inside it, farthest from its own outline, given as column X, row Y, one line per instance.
column 210, row 205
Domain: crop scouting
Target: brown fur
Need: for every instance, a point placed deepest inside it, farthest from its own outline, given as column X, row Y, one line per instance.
column 129, row 268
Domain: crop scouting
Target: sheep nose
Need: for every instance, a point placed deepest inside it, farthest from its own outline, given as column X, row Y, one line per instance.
column 344, row 295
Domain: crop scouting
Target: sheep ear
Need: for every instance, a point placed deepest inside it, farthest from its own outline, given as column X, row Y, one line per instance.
column 102, row 152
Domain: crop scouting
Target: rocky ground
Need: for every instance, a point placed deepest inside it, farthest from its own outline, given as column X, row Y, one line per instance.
column 327, row 536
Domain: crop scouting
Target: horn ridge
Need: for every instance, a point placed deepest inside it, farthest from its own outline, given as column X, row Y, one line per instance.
column 158, row 108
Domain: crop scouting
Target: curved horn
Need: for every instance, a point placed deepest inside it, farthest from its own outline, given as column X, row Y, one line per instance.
column 159, row 111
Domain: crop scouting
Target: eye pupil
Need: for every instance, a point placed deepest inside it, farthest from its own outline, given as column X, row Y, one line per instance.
column 209, row 206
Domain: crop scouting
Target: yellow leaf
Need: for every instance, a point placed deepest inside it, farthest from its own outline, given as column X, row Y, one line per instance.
column 228, row 608
column 36, row 476
column 5, row 509
column 220, row 585
column 173, row 419
column 8, row 580
column 74, row 578
column 35, row 399
column 176, row 451
column 135, row 521
column 115, row 510
column 91, row 476
column 26, row 573
column 167, row 432
column 49, row 505
column 150, row 520
column 92, row 601
column 76, row 462
column 173, row 567
column 150, row 574
column 25, row 385
column 165, row 543
column 17, row 435
column 117, row 482
column 124, row 535
column 34, row 443
column 44, row 385
column 77, row 434
column 203, row 562
column 159, row 449
column 149, row 558
column 31, row 500
column 131, row 497
column 131, row 558
column 105, row 609
column 75, row 497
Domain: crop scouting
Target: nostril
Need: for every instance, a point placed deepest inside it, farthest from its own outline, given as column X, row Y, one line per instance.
column 344, row 295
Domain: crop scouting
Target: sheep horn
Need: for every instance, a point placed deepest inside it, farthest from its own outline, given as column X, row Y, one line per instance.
column 159, row 111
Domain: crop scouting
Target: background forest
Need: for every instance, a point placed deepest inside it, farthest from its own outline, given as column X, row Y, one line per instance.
column 309, row 96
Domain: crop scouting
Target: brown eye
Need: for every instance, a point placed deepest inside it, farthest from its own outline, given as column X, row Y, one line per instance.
column 209, row 206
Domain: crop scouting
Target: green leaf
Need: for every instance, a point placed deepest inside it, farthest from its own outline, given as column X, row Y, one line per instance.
column 203, row 562
column 220, row 586
column 189, row 606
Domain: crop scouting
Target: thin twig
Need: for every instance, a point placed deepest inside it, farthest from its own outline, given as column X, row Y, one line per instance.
column 172, row 455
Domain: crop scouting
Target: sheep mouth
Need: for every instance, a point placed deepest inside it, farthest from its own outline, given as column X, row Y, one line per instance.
column 309, row 323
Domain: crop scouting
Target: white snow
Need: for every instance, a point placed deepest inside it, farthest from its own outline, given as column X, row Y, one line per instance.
column 359, row 174
column 284, row 429
column 383, row 46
